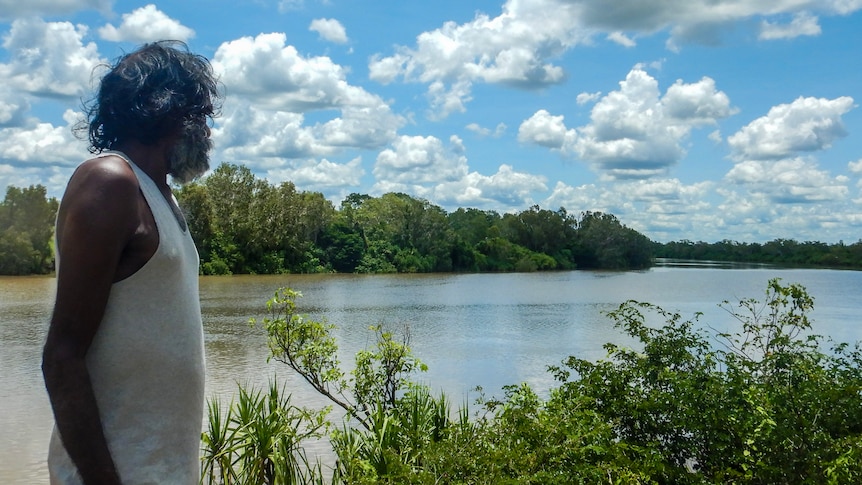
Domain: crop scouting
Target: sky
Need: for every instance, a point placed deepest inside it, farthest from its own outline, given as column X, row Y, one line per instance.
column 702, row 120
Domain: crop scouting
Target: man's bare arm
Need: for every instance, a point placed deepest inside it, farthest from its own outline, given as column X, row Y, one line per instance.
column 98, row 217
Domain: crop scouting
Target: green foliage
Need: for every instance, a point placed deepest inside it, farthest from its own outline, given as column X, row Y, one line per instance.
column 499, row 254
column 243, row 224
column 394, row 449
column 402, row 233
column 307, row 347
column 766, row 405
column 379, row 257
column 26, row 230
column 258, row 440
column 474, row 225
column 381, row 373
column 770, row 407
column 343, row 246
column 543, row 231
column 17, row 256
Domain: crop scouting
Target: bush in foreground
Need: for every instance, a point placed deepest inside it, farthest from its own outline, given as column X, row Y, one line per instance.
column 765, row 405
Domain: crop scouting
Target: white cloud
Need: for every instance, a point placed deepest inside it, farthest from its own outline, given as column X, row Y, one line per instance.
column 855, row 167
column 512, row 48
column 701, row 21
column 621, row 39
column 49, row 59
column 13, row 107
column 21, row 8
column 794, row 180
column 290, row 5
column 246, row 132
column 662, row 209
column 475, row 128
column 805, row 125
column 584, row 98
column 329, row 29
column 697, row 103
column 775, row 191
column 447, row 100
column 505, row 190
column 747, row 216
column 803, row 23
column 321, row 176
column 666, row 190
column 497, row 132
column 633, row 132
column 146, row 24
column 366, row 127
column 431, row 169
column 519, row 46
column 40, row 146
column 275, row 76
column 587, row 197
column 544, row 129
column 271, row 89
column 419, row 160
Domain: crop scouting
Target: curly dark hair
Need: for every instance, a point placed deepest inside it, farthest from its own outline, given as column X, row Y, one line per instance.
column 149, row 94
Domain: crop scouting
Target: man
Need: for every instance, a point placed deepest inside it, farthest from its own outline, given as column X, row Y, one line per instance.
column 123, row 360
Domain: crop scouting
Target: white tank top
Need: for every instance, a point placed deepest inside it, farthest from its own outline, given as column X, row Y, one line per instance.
column 146, row 363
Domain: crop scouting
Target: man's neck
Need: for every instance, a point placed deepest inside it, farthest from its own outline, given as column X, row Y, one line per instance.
column 152, row 159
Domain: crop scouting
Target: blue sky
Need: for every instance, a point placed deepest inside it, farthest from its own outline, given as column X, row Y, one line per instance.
column 687, row 119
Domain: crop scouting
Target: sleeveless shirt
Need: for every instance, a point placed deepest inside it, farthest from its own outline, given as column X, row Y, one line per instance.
column 146, row 363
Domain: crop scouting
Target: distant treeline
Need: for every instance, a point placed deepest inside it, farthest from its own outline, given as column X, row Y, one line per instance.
column 243, row 224
column 778, row 251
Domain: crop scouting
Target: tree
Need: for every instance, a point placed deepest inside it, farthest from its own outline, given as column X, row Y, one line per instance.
column 603, row 242
column 342, row 245
column 473, row 225
column 543, row 231
column 194, row 200
column 308, row 348
column 405, row 234
column 247, row 225
column 26, row 229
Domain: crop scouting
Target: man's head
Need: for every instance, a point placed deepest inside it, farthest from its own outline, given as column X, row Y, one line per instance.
column 159, row 91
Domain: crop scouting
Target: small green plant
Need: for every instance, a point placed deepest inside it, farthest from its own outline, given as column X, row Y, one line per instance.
column 380, row 375
column 258, row 440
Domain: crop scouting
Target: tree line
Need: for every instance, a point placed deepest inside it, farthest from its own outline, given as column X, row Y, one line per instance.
column 778, row 251
column 243, row 224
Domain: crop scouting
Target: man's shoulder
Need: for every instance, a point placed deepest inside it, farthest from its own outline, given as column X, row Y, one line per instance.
column 102, row 180
column 107, row 173
column 108, row 166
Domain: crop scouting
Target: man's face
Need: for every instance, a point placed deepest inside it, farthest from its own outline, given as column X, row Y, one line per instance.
column 189, row 157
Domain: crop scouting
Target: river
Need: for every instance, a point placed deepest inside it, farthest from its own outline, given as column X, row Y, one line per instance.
column 471, row 330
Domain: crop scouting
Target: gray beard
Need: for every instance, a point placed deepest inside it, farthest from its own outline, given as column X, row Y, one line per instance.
column 189, row 158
